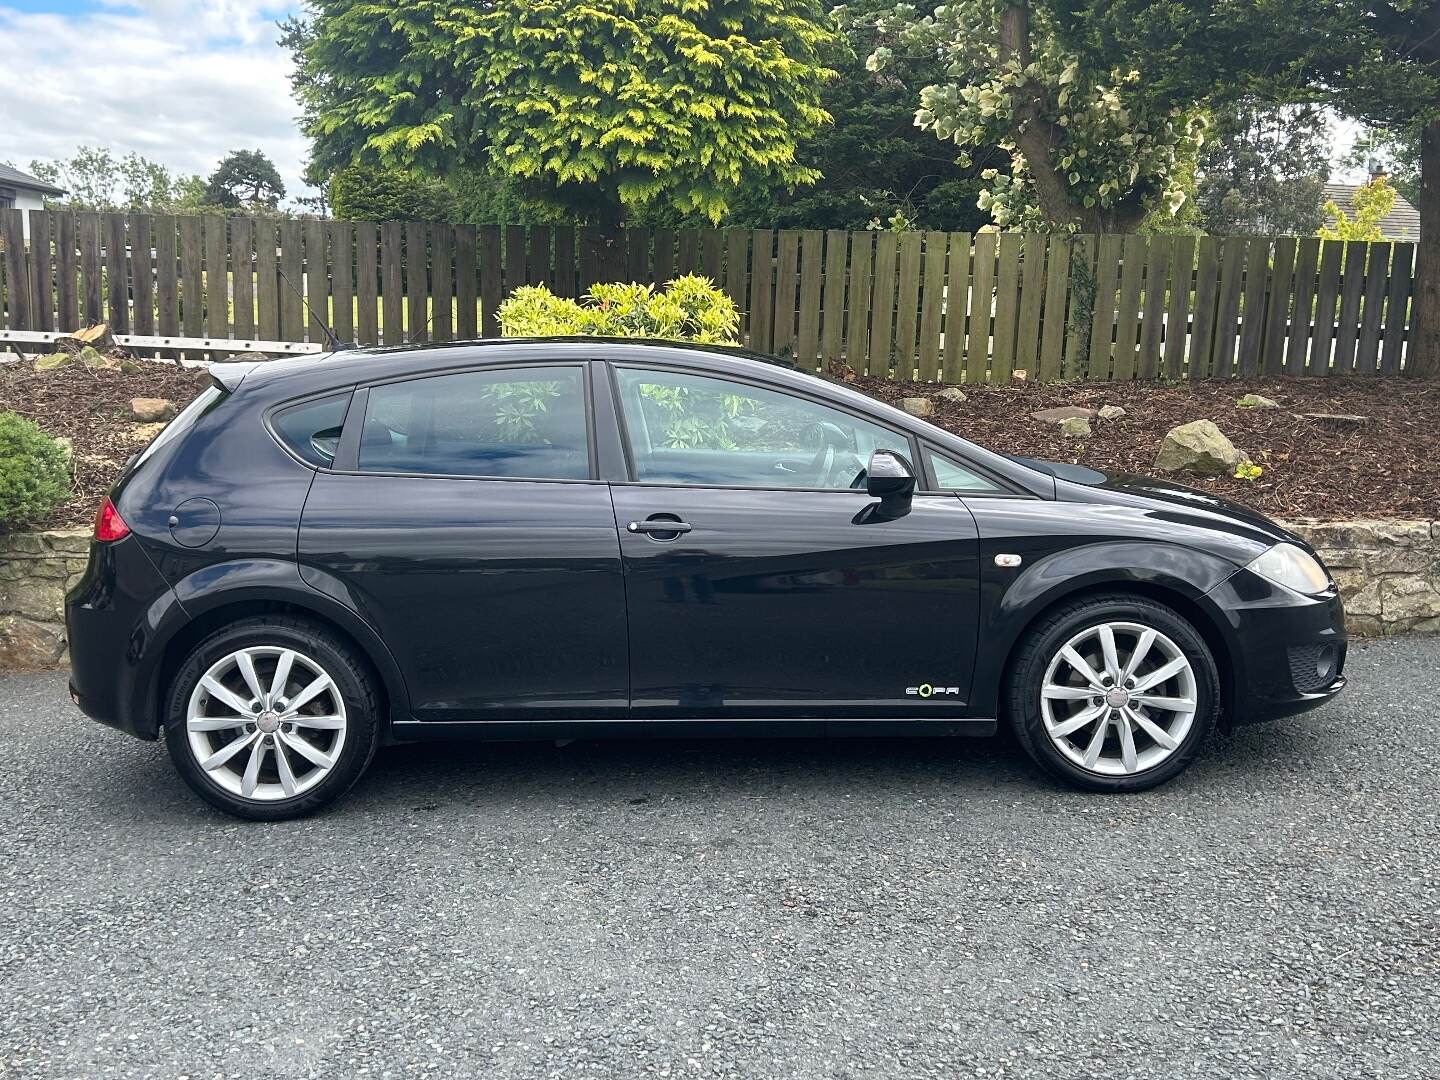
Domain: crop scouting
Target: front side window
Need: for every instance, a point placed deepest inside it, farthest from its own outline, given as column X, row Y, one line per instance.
column 693, row 429
column 515, row 422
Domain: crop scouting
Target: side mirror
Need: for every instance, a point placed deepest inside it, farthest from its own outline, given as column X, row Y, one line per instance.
column 890, row 479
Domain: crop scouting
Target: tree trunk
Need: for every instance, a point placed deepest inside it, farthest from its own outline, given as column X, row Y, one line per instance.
column 1423, row 360
column 1037, row 140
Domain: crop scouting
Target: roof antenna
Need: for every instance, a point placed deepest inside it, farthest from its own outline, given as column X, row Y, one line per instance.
column 336, row 345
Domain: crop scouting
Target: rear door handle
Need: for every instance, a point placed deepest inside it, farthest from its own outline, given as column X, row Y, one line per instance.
column 661, row 526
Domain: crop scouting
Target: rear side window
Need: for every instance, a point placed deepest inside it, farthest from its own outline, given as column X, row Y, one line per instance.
column 312, row 429
column 516, row 422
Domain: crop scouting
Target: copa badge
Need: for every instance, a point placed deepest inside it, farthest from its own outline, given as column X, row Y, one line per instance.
column 926, row 690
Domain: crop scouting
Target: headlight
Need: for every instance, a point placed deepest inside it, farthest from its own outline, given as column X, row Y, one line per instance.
column 1288, row 565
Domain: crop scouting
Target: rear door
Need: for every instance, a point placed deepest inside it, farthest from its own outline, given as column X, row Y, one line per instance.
column 463, row 520
column 774, row 596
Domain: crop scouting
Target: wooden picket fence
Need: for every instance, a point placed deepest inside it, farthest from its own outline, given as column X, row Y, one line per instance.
column 939, row 306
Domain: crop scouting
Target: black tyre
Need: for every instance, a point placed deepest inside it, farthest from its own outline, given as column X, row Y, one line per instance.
column 272, row 718
column 1113, row 693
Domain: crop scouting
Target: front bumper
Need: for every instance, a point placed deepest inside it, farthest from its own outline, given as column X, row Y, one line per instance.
column 1288, row 650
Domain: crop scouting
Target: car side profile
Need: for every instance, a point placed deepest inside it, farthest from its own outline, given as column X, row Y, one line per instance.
column 552, row 538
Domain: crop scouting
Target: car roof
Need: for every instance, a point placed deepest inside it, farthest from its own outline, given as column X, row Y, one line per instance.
column 345, row 366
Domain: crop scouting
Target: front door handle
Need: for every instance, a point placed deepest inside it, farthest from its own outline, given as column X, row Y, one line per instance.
column 661, row 525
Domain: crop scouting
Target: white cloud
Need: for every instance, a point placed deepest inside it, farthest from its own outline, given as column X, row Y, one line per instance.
column 180, row 81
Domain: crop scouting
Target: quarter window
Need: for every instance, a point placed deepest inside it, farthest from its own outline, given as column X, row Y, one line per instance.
column 312, row 428
column 693, row 429
column 526, row 422
column 952, row 476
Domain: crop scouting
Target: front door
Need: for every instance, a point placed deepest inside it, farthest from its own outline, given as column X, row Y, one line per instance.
column 774, row 596
column 469, row 531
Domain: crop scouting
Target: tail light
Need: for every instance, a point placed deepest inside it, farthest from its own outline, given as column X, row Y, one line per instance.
column 109, row 525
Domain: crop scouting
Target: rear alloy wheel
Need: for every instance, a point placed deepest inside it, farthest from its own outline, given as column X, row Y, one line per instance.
column 272, row 720
column 1114, row 694
column 266, row 723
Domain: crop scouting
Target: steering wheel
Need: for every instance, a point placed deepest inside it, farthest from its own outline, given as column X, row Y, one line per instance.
column 831, row 439
column 821, row 465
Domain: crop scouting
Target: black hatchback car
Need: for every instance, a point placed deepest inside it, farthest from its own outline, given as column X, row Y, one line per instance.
column 552, row 538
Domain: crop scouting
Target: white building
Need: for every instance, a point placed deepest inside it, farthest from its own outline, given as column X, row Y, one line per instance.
column 21, row 191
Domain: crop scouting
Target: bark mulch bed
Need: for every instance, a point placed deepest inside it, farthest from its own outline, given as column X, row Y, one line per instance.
column 91, row 407
column 1386, row 466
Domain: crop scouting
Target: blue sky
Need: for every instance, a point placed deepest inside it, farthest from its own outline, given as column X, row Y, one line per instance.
column 180, row 81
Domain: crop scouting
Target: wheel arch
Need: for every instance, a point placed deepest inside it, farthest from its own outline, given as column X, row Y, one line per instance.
column 225, row 608
column 1182, row 597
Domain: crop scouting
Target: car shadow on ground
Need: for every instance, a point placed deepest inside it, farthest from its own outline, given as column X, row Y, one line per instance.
column 605, row 772
column 640, row 768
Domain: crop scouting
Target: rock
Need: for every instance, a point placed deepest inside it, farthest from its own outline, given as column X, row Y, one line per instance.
column 132, row 367
column 1257, row 401
column 53, row 361
column 1198, row 447
column 1063, row 413
column 1408, row 597
column 27, row 645
column 1111, row 412
column 917, row 406
column 1075, row 427
column 150, row 410
column 92, row 357
column 952, row 393
column 39, row 594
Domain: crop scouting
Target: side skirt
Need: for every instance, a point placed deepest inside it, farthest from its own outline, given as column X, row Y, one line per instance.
column 508, row 730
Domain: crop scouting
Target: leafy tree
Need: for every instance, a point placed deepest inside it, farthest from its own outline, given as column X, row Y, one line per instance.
column 376, row 193
column 874, row 163
column 1372, row 202
column 94, row 179
column 245, row 178
column 1090, row 146
column 603, row 107
column 1397, row 153
column 1262, row 169
column 1377, row 60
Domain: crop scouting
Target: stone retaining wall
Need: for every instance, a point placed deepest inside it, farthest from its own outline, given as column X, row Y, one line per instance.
column 36, row 569
column 1388, row 573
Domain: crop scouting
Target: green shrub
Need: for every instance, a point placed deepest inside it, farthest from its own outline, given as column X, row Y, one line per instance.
column 34, row 472
column 690, row 308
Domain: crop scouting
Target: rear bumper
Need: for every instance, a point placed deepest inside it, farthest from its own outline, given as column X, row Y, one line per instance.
column 114, row 618
column 1288, row 649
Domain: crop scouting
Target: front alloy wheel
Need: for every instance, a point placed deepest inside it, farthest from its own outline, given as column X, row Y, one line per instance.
column 1113, row 692
column 1118, row 698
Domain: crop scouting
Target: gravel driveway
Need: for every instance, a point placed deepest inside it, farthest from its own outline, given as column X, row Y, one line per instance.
column 875, row 908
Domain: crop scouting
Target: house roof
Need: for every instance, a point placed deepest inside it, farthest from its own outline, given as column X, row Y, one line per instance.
column 1402, row 223
column 12, row 177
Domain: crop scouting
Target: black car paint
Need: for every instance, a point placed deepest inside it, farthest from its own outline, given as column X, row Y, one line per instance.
column 788, row 609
